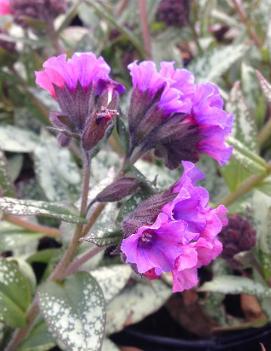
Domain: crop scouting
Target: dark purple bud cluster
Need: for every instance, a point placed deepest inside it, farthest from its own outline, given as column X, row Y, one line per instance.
column 174, row 12
column 44, row 10
column 237, row 236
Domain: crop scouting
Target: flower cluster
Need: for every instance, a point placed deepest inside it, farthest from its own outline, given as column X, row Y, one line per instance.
column 87, row 96
column 239, row 235
column 177, row 236
column 177, row 117
column 174, row 12
column 174, row 231
column 23, row 10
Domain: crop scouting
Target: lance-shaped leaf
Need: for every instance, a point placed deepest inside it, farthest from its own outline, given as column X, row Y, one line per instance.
column 230, row 284
column 15, row 139
column 104, row 237
column 15, row 294
column 112, row 279
column 266, row 87
column 119, row 189
column 74, row 312
column 41, row 208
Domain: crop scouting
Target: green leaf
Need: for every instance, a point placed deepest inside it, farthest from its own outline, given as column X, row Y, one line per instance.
column 112, row 279
column 213, row 63
column 104, row 237
column 15, row 139
column 57, row 173
column 15, row 294
column 39, row 339
column 6, row 187
column 74, row 312
column 265, row 85
column 135, row 303
column 17, row 240
column 245, row 129
column 228, row 284
column 31, row 207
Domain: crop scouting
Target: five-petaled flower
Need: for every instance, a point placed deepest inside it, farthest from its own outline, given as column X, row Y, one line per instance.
column 181, row 238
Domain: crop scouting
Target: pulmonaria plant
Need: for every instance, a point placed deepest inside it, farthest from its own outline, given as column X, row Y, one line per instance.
column 87, row 96
column 175, row 232
column 176, row 117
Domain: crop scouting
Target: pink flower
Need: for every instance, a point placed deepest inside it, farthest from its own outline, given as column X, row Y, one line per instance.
column 181, row 238
column 5, row 8
column 176, row 117
column 87, row 96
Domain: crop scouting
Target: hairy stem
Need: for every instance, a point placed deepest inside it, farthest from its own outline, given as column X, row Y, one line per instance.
column 79, row 261
column 142, row 5
column 72, row 248
column 33, row 227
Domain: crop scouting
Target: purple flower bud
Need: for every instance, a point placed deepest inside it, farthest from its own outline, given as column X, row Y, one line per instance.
column 237, row 236
column 174, row 232
column 119, row 189
column 176, row 117
column 44, row 10
column 88, row 98
column 174, row 12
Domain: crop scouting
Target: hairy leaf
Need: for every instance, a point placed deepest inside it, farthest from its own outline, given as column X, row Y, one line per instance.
column 30, row 207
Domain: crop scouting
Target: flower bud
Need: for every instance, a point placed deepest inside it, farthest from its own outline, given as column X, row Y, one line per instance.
column 237, row 236
column 43, row 10
column 174, row 12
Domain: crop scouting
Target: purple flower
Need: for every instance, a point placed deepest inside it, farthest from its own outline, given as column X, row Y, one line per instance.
column 181, row 238
column 175, row 116
column 87, row 96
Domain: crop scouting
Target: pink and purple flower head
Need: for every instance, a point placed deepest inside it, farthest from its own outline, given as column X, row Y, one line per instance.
column 174, row 232
column 177, row 117
column 5, row 8
column 87, row 96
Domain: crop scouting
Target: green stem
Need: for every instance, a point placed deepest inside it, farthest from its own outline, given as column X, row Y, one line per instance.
column 246, row 186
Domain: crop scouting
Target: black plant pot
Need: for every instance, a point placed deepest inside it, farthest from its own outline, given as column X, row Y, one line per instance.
column 245, row 340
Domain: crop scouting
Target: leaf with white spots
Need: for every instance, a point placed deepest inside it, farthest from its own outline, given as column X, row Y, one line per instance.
column 14, row 139
column 41, row 208
column 229, row 284
column 135, row 303
column 245, row 128
column 74, row 312
column 57, row 173
column 112, row 279
column 212, row 64
column 15, row 294
column 265, row 85
column 6, row 187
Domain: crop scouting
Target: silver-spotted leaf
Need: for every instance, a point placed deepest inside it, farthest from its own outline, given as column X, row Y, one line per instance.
column 74, row 312
column 230, row 284
column 15, row 139
column 15, row 294
column 41, row 208
column 112, row 279
column 135, row 303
